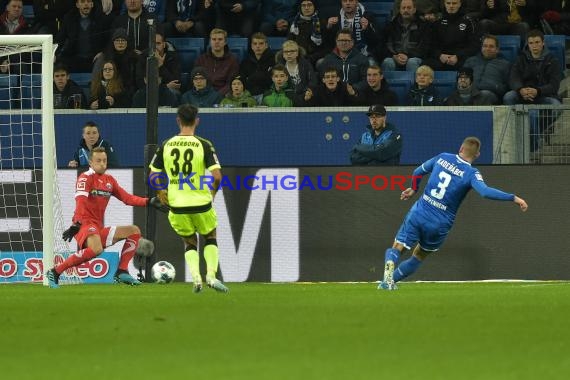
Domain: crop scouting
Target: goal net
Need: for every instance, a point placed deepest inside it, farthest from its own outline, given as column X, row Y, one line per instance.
column 31, row 221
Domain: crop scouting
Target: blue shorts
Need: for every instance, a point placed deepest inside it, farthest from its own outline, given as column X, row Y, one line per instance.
column 418, row 228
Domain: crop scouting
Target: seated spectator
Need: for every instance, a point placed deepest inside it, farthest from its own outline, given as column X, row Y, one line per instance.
column 424, row 93
column 300, row 71
column 306, row 31
column 507, row 17
column 168, row 65
column 189, row 18
column 331, row 92
column 490, row 70
column 124, row 56
column 66, row 93
column 276, row 16
column 200, row 92
column 237, row 17
column 535, row 79
column 134, row 21
column 49, row 14
column 466, row 93
column 427, row 10
column 280, row 94
column 166, row 98
column 408, row 40
column 220, row 64
column 238, row 96
column 82, row 36
column 455, row 39
column 536, row 74
column 12, row 21
column 107, row 90
column 255, row 69
column 89, row 140
column 381, row 144
column 347, row 60
column 376, row 90
column 556, row 15
column 354, row 17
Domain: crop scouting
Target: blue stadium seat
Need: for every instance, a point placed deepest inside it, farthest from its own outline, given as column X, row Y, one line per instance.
column 188, row 50
column 238, row 46
column 381, row 10
column 400, row 82
column 8, row 89
column 276, row 43
column 509, row 46
column 31, row 90
column 445, row 82
column 557, row 46
column 28, row 13
column 184, row 79
column 84, row 81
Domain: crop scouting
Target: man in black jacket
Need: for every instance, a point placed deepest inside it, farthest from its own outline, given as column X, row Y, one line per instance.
column 535, row 79
column 83, row 34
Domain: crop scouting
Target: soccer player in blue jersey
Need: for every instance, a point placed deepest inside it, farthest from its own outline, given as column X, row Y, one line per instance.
column 430, row 219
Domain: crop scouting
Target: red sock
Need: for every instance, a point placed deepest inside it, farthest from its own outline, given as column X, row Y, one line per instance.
column 128, row 251
column 77, row 258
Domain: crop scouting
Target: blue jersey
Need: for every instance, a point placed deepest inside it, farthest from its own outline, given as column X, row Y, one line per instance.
column 450, row 180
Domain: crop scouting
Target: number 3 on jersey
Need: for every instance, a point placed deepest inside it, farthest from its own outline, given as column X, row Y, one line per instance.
column 441, row 186
column 186, row 167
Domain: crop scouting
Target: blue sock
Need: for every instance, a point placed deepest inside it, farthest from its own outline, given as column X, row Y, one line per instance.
column 406, row 268
column 392, row 254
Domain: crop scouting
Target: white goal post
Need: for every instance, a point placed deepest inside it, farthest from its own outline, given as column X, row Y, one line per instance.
column 21, row 123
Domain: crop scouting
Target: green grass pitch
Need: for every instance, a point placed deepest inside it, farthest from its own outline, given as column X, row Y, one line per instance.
column 287, row 331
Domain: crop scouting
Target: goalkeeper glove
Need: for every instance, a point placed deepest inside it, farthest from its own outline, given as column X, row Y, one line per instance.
column 157, row 204
column 71, row 231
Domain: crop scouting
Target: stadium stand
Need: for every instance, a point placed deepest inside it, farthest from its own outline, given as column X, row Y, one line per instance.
column 31, row 90
column 381, row 10
column 557, row 46
column 509, row 46
column 84, row 81
column 445, row 82
column 275, row 43
column 400, row 82
column 238, row 46
column 188, row 50
column 8, row 84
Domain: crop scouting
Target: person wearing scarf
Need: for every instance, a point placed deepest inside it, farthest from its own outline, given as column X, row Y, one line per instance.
column 353, row 16
column 307, row 32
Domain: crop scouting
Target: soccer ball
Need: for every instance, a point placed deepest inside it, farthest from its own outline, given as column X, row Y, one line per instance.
column 163, row 272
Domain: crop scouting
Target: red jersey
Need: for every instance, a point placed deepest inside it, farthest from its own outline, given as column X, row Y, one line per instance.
column 92, row 193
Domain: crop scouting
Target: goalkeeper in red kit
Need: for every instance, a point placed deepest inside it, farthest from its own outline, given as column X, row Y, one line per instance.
column 93, row 190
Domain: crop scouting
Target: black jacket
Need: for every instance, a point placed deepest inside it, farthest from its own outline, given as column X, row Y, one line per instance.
column 257, row 73
column 543, row 73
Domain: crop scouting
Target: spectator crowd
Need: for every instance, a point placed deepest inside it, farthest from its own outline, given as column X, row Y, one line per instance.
column 331, row 52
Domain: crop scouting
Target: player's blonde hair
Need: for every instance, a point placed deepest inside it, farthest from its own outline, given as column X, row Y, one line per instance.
column 471, row 146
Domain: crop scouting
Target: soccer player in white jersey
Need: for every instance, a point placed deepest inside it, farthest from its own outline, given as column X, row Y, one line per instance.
column 430, row 219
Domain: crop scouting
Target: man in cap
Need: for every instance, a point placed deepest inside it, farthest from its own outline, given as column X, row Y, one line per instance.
column 466, row 94
column 200, row 92
column 381, row 144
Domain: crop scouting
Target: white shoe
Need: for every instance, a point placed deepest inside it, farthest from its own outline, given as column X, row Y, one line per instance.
column 388, row 282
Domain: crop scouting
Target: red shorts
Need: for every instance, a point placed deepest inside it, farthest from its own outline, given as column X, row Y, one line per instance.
column 106, row 233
